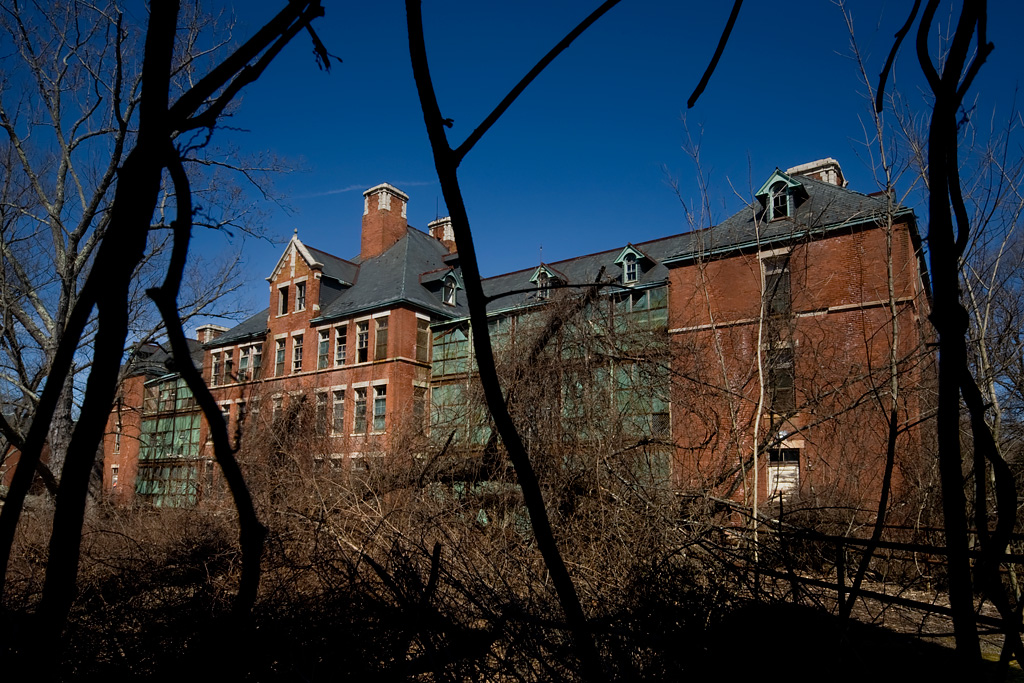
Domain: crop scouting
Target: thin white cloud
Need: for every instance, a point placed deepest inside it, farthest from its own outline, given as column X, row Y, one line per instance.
column 361, row 187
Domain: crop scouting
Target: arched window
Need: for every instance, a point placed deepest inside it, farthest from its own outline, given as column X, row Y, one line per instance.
column 630, row 272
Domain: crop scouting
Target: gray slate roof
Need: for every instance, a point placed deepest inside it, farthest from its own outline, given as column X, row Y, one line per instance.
column 395, row 276
column 581, row 270
column 412, row 271
column 252, row 328
column 827, row 207
column 334, row 267
column 152, row 359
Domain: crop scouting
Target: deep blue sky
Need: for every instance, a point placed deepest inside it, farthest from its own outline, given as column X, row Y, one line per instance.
column 581, row 162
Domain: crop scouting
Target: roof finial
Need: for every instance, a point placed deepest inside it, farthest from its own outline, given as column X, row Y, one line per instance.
column 542, row 253
column 296, row 232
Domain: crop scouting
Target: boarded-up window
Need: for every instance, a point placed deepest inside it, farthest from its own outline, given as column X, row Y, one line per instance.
column 783, row 472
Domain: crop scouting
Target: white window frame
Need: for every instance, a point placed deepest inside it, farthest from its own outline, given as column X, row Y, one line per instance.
column 630, row 269
column 323, row 337
column 339, row 359
column 298, row 345
column 779, row 189
column 380, row 392
column 300, row 288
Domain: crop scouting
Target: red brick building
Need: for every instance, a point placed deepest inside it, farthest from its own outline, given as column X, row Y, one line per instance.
column 770, row 333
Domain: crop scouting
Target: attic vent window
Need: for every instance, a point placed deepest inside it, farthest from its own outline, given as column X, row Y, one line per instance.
column 779, row 194
column 629, row 268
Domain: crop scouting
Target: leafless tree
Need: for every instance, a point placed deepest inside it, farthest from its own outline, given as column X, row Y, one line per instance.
column 68, row 109
column 950, row 76
column 118, row 250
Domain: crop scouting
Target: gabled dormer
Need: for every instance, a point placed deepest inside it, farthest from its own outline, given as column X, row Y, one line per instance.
column 295, row 281
column 780, row 195
column 450, row 288
column 634, row 263
column 546, row 278
column 444, row 283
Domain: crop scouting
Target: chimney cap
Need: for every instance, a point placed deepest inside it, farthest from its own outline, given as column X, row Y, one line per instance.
column 386, row 187
column 827, row 170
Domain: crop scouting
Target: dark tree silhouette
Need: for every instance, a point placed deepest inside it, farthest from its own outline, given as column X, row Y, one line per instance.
column 108, row 285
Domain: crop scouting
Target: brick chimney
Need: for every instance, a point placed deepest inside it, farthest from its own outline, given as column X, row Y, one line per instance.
column 384, row 219
column 207, row 333
column 441, row 230
column 826, row 170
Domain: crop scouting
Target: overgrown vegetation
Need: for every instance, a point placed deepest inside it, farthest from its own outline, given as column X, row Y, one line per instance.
column 554, row 557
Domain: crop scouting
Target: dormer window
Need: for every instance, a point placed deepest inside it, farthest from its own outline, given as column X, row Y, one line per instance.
column 629, row 268
column 543, row 286
column 779, row 195
column 633, row 263
column 448, row 294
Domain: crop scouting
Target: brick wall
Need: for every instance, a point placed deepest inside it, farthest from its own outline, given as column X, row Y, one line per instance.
column 840, row 334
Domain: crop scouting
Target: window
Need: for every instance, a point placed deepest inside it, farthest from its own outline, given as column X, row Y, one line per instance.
column 297, row 353
column 781, row 382
column 419, row 407
column 257, row 360
column 279, row 360
column 249, row 362
column 214, row 369
column 114, row 471
column 282, row 300
column 359, row 423
column 380, row 396
column 338, row 412
column 244, row 359
column 320, row 414
column 451, row 352
column 362, row 341
column 324, row 349
column 448, row 295
column 117, row 437
column 640, row 308
column 422, row 339
column 381, row 340
column 168, row 396
column 278, row 404
column 543, row 286
column 779, row 194
column 783, row 472
column 340, row 344
column 300, row 296
column 169, row 437
column 629, row 268
column 777, row 286
column 229, row 368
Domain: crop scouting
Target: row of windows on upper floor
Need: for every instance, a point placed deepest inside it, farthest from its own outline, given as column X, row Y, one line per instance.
column 642, row 311
column 332, row 351
column 368, row 415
